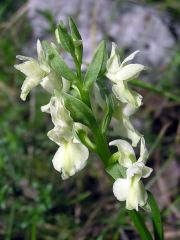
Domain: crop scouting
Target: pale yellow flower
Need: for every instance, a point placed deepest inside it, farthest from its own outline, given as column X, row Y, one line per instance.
column 120, row 74
column 37, row 72
column 131, row 188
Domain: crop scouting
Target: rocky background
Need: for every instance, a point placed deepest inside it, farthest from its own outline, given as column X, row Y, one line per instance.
column 34, row 202
column 131, row 25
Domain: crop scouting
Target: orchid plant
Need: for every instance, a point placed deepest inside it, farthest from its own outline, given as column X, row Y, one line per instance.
column 82, row 105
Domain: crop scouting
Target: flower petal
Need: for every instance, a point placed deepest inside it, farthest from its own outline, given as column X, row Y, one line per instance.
column 47, row 85
column 51, row 82
column 142, row 194
column 42, row 58
column 135, row 170
column 129, row 109
column 59, row 134
column 127, row 155
column 29, row 67
column 63, row 123
column 60, row 115
column 113, row 62
column 132, row 197
column 46, row 108
column 121, row 188
column 146, row 171
column 129, row 58
column 129, row 72
column 137, row 195
column 125, row 95
column 143, row 151
column 128, row 131
column 70, row 158
column 28, row 84
column 139, row 170
column 122, row 111
column 23, row 58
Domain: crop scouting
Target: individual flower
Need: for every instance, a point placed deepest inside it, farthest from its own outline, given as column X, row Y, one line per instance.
column 71, row 155
column 120, row 74
column 70, row 158
column 131, row 188
column 51, row 82
column 37, row 72
column 117, row 71
column 63, row 123
column 122, row 113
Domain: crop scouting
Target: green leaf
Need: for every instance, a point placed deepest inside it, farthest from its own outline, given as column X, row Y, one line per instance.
column 65, row 39
column 156, row 218
column 79, row 111
column 108, row 113
column 74, row 31
column 140, row 225
column 155, row 89
column 57, row 63
column 104, row 63
column 116, row 170
column 76, row 36
column 95, row 66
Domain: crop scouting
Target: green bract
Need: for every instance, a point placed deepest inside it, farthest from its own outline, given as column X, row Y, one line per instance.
column 95, row 66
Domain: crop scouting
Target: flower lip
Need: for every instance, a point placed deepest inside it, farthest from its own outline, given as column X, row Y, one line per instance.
column 70, row 158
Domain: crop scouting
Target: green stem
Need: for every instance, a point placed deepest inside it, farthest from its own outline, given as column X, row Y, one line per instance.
column 10, row 223
column 84, row 94
column 78, row 68
column 140, row 225
column 82, row 135
column 102, row 146
column 33, row 231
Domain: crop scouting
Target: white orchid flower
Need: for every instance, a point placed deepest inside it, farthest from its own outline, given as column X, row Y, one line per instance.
column 131, row 188
column 37, row 72
column 71, row 155
column 51, row 82
column 124, row 127
column 120, row 73
column 126, row 95
column 117, row 71
column 70, row 158
column 63, row 123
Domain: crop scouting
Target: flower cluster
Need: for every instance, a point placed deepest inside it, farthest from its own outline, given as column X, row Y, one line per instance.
column 129, row 189
column 73, row 114
column 71, row 155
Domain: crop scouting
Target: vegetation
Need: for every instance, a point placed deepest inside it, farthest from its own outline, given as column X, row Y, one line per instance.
column 34, row 202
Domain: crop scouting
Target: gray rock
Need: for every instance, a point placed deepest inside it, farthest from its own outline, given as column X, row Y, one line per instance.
column 130, row 26
column 143, row 28
column 88, row 14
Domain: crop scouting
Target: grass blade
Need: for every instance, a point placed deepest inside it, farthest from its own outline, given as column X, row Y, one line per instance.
column 140, row 225
column 156, row 218
column 158, row 90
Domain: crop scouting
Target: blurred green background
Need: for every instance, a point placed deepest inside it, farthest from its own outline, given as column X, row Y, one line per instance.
column 34, row 202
